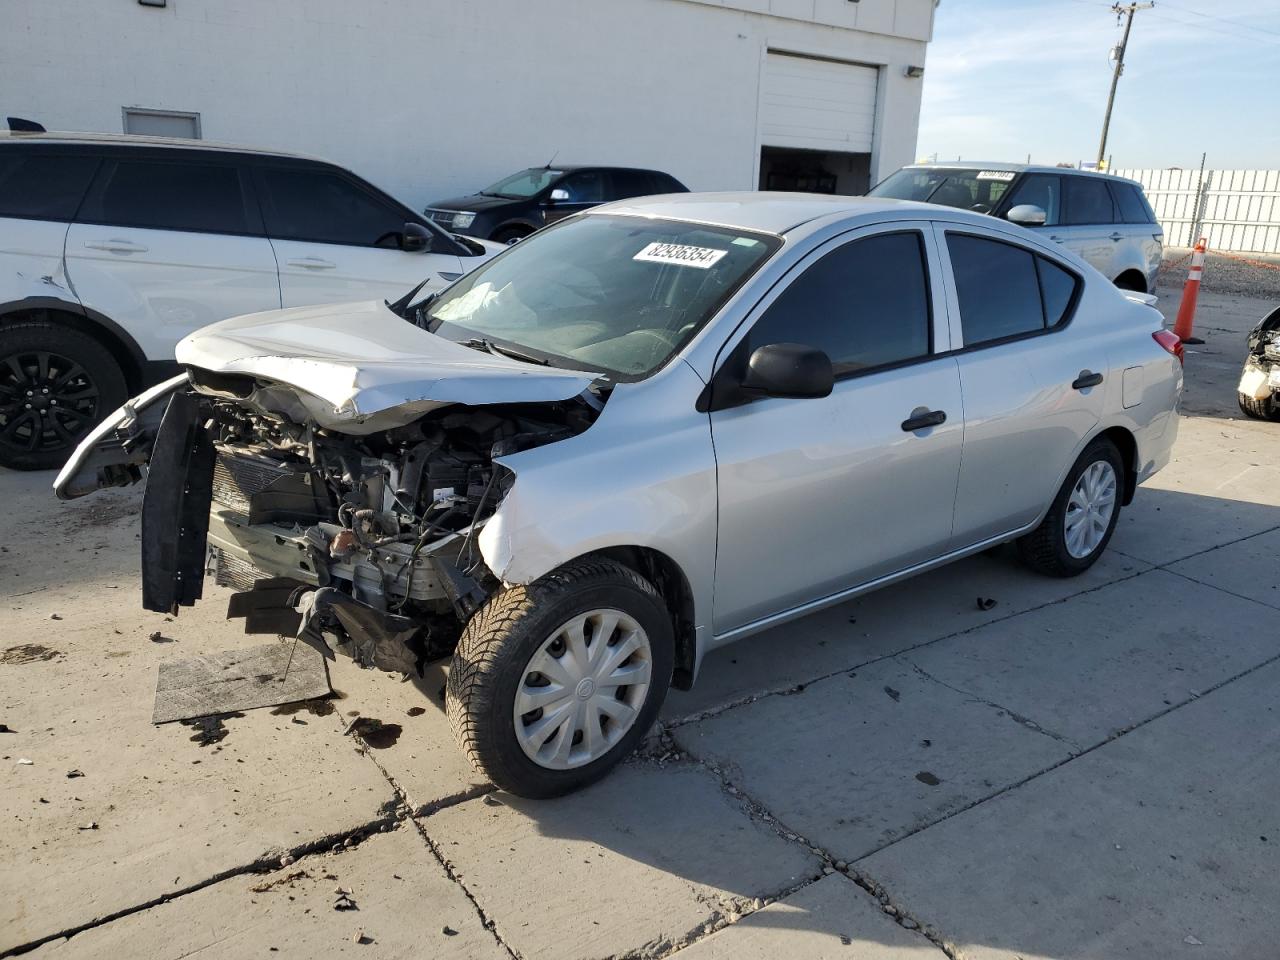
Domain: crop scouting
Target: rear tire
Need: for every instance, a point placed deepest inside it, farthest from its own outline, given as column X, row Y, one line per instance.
column 1268, row 409
column 495, row 676
column 56, row 384
column 1074, row 532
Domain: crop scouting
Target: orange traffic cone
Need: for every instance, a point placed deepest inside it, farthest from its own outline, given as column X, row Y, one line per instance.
column 1190, row 293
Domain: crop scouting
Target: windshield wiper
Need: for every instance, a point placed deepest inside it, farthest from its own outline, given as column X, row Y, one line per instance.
column 482, row 343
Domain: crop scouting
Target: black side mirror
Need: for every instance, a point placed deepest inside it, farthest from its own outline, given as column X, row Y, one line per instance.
column 415, row 238
column 789, row 370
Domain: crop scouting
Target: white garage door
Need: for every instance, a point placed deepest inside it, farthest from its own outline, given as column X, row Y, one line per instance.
column 817, row 104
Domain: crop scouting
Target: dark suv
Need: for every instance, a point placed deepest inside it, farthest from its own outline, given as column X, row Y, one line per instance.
column 517, row 205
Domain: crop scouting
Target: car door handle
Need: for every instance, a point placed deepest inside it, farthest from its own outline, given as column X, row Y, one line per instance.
column 1117, row 236
column 1052, row 237
column 116, row 245
column 312, row 263
column 1086, row 379
column 932, row 418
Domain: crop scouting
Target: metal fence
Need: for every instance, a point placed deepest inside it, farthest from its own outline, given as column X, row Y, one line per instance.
column 1236, row 210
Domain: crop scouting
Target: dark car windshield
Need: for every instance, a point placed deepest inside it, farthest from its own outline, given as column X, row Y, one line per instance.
column 524, row 184
column 975, row 189
column 618, row 295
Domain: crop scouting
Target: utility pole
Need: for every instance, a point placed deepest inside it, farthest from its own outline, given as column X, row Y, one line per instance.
column 1127, row 12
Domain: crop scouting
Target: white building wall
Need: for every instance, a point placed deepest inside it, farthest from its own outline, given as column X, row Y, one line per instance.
column 434, row 98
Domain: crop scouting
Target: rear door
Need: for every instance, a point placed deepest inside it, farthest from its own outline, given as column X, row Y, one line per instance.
column 167, row 242
column 1032, row 385
column 1088, row 225
column 337, row 239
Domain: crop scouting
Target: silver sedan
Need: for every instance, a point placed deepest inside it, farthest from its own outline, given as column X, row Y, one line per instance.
column 645, row 432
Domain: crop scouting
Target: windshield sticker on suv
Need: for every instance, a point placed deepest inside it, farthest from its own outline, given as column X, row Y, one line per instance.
column 700, row 257
column 996, row 175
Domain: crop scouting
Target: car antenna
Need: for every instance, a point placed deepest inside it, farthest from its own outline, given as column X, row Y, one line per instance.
column 552, row 160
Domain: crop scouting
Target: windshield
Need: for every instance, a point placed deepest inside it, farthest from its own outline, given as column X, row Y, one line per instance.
column 978, row 190
column 526, row 183
column 618, row 295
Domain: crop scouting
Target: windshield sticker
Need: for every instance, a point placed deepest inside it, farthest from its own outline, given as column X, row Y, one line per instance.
column 701, row 257
column 1005, row 175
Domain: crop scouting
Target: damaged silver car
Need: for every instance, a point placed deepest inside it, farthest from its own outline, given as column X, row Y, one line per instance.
column 647, row 431
column 1259, row 389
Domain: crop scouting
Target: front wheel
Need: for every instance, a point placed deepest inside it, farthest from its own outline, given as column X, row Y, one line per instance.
column 1267, row 409
column 555, row 682
column 1082, row 518
column 510, row 235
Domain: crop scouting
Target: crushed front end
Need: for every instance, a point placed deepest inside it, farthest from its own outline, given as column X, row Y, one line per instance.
column 364, row 545
column 1259, row 387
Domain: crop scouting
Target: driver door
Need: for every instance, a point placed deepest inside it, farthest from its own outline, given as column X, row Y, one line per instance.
column 585, row 188
column 820, row 495
column 336, row 240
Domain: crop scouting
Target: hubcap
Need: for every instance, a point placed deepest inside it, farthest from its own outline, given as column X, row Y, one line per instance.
column 46, row 401
column 582, row 689
column 1090, row 508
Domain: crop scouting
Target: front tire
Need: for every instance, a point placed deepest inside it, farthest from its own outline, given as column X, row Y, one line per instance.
column 510, row 235
column 555, row 682
column 1267, row 409
column 1079, row 524
column 56, row 384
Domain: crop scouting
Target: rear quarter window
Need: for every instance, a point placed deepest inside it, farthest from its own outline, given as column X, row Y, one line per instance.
column 42, row 186
column 1132, row 204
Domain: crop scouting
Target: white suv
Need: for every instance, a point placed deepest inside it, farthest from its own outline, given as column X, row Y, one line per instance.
column 114, row 248
column 1104, row 220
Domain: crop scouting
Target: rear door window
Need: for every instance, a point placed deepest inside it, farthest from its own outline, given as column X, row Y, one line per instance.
column 630, row 183
column 169, row 195
column 42, row 186
column 1043, row 190
column 1088, row 202
column 865, row 304
column 1131, row 204
column 1006, row 290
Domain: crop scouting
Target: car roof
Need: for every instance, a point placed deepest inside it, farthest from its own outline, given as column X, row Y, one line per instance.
column 136, row 140
column 572, row 167
column 765, row 212
column 1012, row 168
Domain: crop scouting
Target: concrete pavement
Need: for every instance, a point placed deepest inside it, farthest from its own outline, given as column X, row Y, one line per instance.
column 1085, row 770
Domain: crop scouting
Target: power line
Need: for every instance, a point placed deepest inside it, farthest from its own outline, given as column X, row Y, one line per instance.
column 1226, row 20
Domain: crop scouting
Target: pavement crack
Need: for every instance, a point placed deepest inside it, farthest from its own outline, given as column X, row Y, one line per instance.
column 1013, row 715
column 416, row 820
column 268, row 862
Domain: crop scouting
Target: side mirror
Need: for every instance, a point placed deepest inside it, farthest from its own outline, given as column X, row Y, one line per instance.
column 415, row 238
column 789, row 370
column 558, row 195
column 1027, row 214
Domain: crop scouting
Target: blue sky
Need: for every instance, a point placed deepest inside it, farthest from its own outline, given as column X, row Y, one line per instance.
column 1005, row 78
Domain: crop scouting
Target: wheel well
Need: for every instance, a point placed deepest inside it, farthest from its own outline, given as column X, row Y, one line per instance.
column 1128, row 448
column 120, row 351
column 1132, row 280
column 511, row 226
column 665, row 574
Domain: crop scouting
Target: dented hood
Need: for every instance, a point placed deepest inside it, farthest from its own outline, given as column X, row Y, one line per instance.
column 358, row 368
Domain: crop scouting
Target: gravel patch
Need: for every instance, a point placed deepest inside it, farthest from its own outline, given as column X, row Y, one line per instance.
column 1240, row 274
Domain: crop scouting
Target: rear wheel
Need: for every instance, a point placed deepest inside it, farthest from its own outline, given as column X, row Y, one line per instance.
column 1083, row 516
column 555, row 682
column 56, row 384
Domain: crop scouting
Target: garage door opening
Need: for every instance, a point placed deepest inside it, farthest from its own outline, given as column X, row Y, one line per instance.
column 814, row 171
column 817, row 120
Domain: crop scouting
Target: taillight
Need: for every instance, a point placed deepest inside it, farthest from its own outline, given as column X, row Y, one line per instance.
column 1170, row 341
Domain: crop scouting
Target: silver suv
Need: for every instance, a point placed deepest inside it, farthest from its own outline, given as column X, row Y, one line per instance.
column 1103, row 219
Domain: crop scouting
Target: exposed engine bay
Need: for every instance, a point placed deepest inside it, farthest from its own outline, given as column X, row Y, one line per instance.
column 362, row 545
